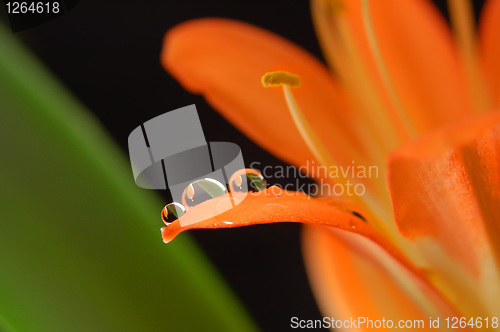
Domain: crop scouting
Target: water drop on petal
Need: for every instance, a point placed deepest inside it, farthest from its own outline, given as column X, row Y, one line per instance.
column 247, row 180
column 202, row 190
column 171, row 212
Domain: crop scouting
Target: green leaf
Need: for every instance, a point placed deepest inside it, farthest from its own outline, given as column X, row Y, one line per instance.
column 80, row 245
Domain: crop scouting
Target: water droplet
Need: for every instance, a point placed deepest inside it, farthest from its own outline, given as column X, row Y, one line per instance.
column 171, row 212
column 202, row 190
column 247, row 180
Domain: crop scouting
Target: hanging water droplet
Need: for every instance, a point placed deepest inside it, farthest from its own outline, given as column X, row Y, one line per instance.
column 202, row 190
column 247, row 180
column 171, row 212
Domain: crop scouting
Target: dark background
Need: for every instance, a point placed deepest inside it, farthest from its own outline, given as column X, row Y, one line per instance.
column 107, row 54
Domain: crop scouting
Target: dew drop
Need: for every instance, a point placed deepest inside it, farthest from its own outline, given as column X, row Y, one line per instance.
column 171, row 212
column 352, row 224
column 247, row 180
column 202, row 190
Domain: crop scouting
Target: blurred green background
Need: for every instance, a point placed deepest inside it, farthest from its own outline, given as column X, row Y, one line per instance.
column 80, row 246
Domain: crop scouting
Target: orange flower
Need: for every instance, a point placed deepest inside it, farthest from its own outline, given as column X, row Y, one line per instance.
column 403, row 96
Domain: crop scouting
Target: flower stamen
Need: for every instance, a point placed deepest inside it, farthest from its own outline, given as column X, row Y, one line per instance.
column 462, row 19
column 344, row 57
column 380, row 215
column 402, row 114
column 307, row 133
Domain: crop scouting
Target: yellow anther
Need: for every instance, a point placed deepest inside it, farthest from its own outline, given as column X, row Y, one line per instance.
column 280, row 78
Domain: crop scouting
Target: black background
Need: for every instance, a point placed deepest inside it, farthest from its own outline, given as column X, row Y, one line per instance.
column 107, row 54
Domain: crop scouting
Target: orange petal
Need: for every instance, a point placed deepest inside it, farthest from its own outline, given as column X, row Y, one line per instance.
column 271, row 205
column 274, row 205
column 418, row 51
column 353, row 277
column 489, row 38
column 335, row 217
column 224, row 60
column 446, row 193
